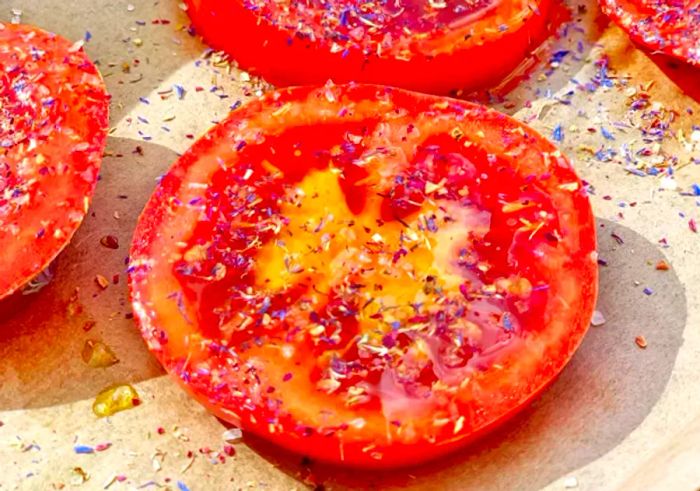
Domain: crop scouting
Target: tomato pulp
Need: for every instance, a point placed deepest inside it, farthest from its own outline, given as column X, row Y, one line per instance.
column 669, row 27
column 365, row 275
column 427, row 45
column 53, row 127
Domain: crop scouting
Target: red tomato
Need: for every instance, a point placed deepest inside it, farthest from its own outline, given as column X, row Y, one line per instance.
column 669, row 27
column 427, row 45
column 366, row 275
column 53, row 126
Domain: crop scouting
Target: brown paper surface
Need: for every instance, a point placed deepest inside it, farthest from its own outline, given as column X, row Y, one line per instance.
column 616, row 411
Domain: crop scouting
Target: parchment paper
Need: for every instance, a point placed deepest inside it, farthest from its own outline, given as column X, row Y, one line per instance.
column 617, row 416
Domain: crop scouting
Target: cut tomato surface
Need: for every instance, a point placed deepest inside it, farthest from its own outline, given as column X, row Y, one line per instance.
column 365, row 275
column 427, row 45
column 53, row 127
column 669, row 27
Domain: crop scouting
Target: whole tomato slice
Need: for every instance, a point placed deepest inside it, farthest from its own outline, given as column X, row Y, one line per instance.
column 427, row 45
column 670, row 27
column 53, row 127
column 365, row 275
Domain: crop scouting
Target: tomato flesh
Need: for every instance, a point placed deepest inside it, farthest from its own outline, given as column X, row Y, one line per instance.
column 53, row 127
column 669, row 27
column 427, row 45
column 366, row 275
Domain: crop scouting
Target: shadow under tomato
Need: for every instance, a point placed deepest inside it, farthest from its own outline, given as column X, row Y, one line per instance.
column 605, row 392
column 16, row 302
column 685, row 76
column 42, row 334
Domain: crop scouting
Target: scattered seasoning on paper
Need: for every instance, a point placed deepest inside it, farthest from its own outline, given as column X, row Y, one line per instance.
column 598, row 318
column 37, row 283
column 114, row 479
column 190, row 456
column 641, row 342
column 101, row 281
column 79, row 476
column 83, row 449
column 558, row 134
column 101, row 447
column 157, row 460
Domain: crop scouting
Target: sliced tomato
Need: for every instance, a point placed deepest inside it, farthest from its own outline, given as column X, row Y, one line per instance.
column 366, row 275
column 53, row 126
column 669, row 27
column 427, row 45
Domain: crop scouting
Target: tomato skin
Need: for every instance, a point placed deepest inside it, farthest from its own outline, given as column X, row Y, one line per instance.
column 54, row 113
column 664, row 27
column 218, row 374
column 276, row 55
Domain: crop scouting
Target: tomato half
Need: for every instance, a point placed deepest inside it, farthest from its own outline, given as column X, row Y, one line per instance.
column 53, row 126
column 365, row 275
column 426, row 45
column 669, row 27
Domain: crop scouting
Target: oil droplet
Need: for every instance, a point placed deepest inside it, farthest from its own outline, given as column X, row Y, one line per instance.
column 79, row 476
column 96, row 354
column 114, row 399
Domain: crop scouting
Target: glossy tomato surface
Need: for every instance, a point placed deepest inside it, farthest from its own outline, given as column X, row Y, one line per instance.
column 427, row 45
column 365, row 275
column 53, row 127
column 669, row 27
